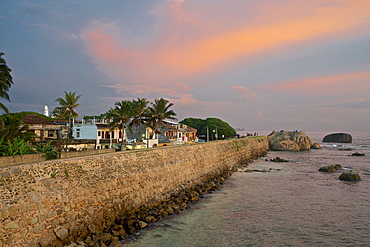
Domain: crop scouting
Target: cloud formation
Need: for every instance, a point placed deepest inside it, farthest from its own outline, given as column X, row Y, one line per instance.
column 181, row 51
column 256, row 64
column 344, row 83
column 245, row 93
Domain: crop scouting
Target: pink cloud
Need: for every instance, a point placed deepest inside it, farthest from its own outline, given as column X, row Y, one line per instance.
column 328, row 85
column 190, row 43
column 245, row 93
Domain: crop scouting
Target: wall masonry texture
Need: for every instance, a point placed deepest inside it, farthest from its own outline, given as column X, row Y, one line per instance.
column 51, row 203
column 33, row 158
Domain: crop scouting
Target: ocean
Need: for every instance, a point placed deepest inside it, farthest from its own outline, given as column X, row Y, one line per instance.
column 291, row 205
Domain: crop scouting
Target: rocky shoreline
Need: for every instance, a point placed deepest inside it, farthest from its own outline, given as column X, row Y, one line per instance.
column 133, row 220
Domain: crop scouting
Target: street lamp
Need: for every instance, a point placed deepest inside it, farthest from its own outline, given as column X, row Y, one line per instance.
column 147, row 141
column 215, row 133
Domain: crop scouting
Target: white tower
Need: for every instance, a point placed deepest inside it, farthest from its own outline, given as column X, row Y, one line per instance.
column 46, row 111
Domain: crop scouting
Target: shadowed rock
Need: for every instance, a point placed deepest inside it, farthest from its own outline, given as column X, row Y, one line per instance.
column 357, row 154
column 338, row 138
column 330, row 168
column 255, row 170
column 316, row 146
column 278, row 159
column 349, row 175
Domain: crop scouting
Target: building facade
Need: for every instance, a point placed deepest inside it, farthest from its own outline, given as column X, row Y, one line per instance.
column 43, row 129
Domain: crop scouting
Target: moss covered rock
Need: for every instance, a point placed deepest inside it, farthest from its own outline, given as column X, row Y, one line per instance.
column 330, row 168
column 349, row 175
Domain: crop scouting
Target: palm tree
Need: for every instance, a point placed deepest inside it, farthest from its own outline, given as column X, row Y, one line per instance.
column 66, row 110
column 158, row 112
column 121, row 115
column 6, row 81
column 68, row 105
column 139, row 113
column 13, row 127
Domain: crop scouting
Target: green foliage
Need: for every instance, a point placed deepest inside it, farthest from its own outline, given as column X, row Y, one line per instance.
column 158, row 112
column 138, row 112
column 66, row 110
column 121, row 115
column 20, row 115
column 6, row 81
column 101, row 116
column 12, row 127
column 18, row 146
column 48, row 151
column 201, row 125
column 67, row 107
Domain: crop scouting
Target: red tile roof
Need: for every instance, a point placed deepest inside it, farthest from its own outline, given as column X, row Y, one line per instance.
column 33, row 119
column 190, row 129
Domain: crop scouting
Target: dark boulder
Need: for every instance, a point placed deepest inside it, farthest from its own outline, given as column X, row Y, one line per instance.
column 330, row 168
column 278, row 159
column 349, row 175
column 358, row 154
column 316, row 146
column 338, row 138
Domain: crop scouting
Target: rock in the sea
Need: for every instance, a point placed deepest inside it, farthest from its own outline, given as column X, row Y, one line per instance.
column 316, row 146
column 338, row 138
column 358, row 154
column 330, row 168
column 278, row 159
column 255, row 170
column 349, row 175
column 289, row 141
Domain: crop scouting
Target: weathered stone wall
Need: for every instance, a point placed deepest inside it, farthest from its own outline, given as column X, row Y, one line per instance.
column 20, row 159
column 50, row 203
column 33, row 158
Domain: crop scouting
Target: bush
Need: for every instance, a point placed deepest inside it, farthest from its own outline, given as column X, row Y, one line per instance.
column 17, row 146
column 48, row 151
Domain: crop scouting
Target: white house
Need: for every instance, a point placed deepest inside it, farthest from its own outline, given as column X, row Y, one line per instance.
column 171, row 133
column 85, row 130
column 106, row 137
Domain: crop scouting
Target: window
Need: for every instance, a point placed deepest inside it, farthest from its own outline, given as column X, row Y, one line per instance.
column 112, row 134
column 77, row 134
column 98, row 133
column 50, row 133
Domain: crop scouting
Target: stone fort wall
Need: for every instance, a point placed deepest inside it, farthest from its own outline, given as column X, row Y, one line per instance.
column 56, row 202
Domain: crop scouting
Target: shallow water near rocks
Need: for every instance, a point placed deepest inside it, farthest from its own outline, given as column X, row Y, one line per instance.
column 292, row 205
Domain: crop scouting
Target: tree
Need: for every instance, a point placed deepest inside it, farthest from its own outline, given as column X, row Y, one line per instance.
column 66, row 110
column 67, row 106
column 139, row 113
column 213, row 124
column 158, row 112
column 120, row 115
column 6, row 81
column 12, row 127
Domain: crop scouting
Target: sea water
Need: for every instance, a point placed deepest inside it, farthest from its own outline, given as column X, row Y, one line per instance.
column 291, row 205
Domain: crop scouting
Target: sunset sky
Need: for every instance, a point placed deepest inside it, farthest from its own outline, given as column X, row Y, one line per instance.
column 259, row 65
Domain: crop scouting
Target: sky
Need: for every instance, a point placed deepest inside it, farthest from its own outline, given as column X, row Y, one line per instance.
column 258, row 65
